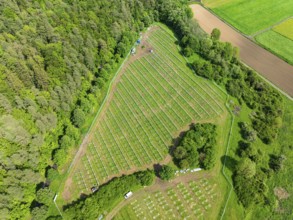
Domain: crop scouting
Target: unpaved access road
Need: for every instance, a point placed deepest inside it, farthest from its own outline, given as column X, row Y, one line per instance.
column 158, row 185
column 265, row 63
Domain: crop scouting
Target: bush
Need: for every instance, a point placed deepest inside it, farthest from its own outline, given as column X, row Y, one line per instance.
column 199, row 140
column 166, row 173
column 78, row 117
column 45, row 196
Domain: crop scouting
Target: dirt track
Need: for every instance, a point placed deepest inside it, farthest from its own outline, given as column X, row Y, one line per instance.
column 268, row 65
column 158, row 185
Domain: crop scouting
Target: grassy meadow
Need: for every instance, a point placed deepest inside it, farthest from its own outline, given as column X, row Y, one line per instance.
column 154, row 98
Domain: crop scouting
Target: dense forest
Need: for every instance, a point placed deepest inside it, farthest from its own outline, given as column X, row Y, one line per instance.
column 56, row 57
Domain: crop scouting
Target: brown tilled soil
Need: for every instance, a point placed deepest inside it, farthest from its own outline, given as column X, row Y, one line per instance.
column 268, row 65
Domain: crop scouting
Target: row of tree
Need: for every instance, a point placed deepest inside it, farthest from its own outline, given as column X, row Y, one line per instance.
column 107, row 196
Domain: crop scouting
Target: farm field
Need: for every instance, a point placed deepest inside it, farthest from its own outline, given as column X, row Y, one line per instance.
column 153, row 98
column 278, row 44
column 285, row 29
column 251, row 16
column 193, row 200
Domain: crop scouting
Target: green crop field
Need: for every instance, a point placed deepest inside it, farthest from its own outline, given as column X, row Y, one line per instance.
column 251, row 16
column 155, row 96
column 278, row 44
column 183, row 201
column 285, row 28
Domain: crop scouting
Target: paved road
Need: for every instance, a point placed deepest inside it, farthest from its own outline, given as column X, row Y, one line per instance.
column 268, row 65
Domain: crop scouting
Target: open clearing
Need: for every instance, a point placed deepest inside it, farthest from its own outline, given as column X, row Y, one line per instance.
column 251, row 16
column 186, row 200
column 155, row 96
column 268, row 65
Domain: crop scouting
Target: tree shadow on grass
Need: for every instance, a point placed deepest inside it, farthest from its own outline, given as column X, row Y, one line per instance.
column 230, row 162
column 176, row 141
column 157, row 169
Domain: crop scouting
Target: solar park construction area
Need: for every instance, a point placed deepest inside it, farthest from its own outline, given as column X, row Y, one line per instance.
column 184, row 201
column 154, row 97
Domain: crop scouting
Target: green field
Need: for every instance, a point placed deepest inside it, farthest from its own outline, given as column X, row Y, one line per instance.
column 155, row 97
column 285, row 29
column 251, row 16
column 278, row 44
column 183, row 201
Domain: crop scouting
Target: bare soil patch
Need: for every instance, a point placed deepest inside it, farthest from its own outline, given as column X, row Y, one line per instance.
column 265, row 63
column 66, row 193
column 281, row 193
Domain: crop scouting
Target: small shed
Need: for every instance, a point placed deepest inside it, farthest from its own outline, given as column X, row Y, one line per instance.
column 151, row 51
column 127, row 195
column 133, row 50
column 138, row 41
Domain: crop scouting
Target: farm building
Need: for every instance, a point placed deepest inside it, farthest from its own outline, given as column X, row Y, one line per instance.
column 127, row 195
column 133, row 50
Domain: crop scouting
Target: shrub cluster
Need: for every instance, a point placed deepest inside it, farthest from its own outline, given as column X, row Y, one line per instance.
column 197, row 147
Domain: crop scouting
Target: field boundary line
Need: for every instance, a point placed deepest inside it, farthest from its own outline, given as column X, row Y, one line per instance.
column 226, row 153
column 270, row 27
column 98, row 113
